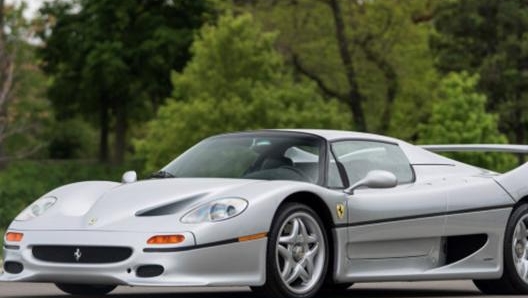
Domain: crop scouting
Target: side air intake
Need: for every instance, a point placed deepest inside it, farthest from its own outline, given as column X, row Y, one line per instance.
column 460, row 247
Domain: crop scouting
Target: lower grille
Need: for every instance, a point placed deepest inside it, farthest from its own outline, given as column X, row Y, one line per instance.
column 81, row 254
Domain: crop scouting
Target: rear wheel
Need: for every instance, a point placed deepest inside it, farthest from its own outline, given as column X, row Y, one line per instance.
column 297, row 257
column 514, row 279
column 80, row 289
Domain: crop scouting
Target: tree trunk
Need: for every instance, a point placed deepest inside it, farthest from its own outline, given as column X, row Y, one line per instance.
column 103, row 133
column 121, row 129
column 357, row 110
column 355, row 98
column 391, row 81
column 6, row 80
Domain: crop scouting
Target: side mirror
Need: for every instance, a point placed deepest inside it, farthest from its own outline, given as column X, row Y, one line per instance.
column 129, row 177
column 375, row 179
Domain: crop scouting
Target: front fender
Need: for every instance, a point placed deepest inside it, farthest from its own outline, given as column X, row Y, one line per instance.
column 264, row 200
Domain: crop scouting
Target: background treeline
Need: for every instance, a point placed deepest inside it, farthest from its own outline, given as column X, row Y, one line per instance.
column 89, row 88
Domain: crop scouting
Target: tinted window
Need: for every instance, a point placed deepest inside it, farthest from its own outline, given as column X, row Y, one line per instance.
column 259, row 156
column 360, row 157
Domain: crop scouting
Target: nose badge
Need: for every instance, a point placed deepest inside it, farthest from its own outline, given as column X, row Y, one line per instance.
column 77, row 254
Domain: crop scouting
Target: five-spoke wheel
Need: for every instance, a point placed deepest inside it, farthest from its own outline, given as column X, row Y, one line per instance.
column 520, row 248
column 297, row 258
column 514, row 279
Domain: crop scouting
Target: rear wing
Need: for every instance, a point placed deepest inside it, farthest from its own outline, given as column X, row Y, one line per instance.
column 518, row 149
column 514, row 181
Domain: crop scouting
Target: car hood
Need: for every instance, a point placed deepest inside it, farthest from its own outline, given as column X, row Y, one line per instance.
column 114, row 206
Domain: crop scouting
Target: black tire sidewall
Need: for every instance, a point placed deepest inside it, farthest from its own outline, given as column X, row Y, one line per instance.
column 273, row 278
column 510, row 272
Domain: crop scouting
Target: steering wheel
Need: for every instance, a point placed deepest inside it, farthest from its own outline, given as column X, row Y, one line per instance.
column 298, row 172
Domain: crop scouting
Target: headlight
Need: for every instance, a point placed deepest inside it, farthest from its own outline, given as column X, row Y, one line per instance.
column 216, row 211
column 37, row 208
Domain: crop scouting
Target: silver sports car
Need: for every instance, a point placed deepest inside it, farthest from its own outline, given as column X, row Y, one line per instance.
column 286, row 212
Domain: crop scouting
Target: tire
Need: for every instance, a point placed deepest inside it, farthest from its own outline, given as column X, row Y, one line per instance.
column 297, row 254
column 85, row 290
column 514, row 279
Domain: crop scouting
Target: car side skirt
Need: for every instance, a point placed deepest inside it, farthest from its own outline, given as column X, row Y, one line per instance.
column 484, row 263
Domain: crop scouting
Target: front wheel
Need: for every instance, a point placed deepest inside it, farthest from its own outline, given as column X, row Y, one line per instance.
column 297, row 257
column 85, row 290
column 514, row 280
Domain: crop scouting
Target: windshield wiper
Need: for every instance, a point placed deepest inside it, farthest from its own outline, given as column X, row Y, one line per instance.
column 162, row 174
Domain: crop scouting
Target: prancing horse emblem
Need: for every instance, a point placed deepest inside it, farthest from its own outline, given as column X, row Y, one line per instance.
column 77, row 254
column 340, row 209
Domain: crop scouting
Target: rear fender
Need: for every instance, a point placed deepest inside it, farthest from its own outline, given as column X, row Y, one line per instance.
column 515, row 182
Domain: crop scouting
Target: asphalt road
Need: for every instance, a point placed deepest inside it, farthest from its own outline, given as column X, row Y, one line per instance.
column 366, row 290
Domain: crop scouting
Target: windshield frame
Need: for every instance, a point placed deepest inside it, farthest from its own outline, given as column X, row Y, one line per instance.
column 323, row 156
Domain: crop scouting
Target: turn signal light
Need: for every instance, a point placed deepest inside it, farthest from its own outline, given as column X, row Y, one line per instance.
column 166, row 239
column 252, row 237
column 14, row 237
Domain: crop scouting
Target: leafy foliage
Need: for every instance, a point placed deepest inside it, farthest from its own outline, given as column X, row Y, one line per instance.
column 390, row 55
column 489, row 38
column 72, row 139
column 460, row 117
column 235, row 81
column 25, row 114
column 111, row 60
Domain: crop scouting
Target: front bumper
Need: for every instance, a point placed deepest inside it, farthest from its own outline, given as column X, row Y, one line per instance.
column 229, row 263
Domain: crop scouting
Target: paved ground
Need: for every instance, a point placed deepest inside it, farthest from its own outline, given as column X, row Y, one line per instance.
column 367, row 290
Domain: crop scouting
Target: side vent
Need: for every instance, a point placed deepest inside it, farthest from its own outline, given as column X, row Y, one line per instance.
column 170, row 208
column 460, row 247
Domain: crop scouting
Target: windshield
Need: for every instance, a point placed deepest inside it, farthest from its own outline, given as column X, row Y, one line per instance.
column 251, row 156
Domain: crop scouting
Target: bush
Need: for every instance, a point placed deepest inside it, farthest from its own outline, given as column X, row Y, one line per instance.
column 72, row 138
column 460, row 117
column 235, row 81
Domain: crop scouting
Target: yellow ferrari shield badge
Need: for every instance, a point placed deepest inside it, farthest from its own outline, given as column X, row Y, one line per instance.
column 340, row 209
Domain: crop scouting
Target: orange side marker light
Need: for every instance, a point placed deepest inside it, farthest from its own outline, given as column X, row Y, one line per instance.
column 14, row 237
column 252, row 237
column 166, row 239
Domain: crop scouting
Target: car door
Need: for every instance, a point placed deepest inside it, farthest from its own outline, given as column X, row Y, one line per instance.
column 394, row 231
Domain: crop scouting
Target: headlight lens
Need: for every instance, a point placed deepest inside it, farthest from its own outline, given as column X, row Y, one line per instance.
column 217, row 210
column 37, row 208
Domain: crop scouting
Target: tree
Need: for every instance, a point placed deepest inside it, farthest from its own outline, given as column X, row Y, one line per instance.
column 111, row 60
column 370, row 55
column 6, row 76
column 23, row 109
column 489, row 38
column 235, row 81
column 460, row 117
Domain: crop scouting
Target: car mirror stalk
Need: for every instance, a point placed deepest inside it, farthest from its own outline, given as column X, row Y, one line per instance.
column 375, row 179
